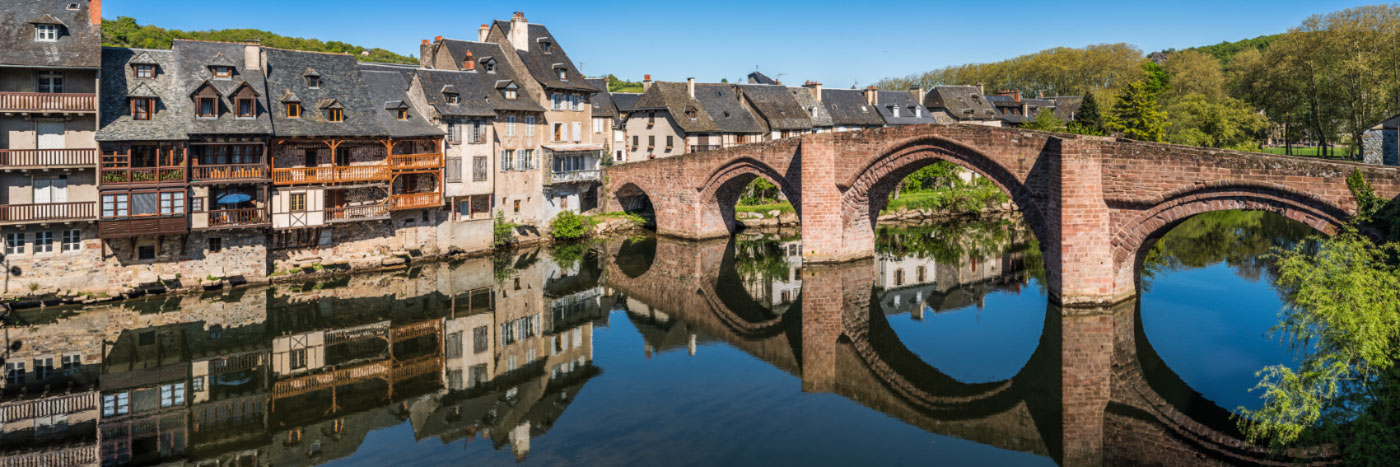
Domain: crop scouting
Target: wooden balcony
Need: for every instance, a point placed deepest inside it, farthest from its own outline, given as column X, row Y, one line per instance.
column 229, row 173
column 127, row 176
column 415, row 201
column 142, row 226
column 47, row 158
column 357, row 213
column 409, row 162
column 47, row 102
column 48, row 212
column 343, row 174
column 239, row 218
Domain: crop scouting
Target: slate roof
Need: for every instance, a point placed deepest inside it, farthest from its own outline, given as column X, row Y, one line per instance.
column 849, row 108
column 726, row 108
column 760, row 78
column 118, row 79
column 1003, row 101
column 1034, row 106
column 908, row 108
column 777, row 106
column 486, row 85
column 602, row 101
column 388, row 91
column 541, row 64
column 624, row 101
column 471, row 104
column 1066, row 107
column 79, row 43
column 804, row 98
column 341, row 85
column 961, row 102
column 673, row 98
column 195, row 58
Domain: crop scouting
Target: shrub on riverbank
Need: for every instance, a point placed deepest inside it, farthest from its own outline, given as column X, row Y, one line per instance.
column 568, row 226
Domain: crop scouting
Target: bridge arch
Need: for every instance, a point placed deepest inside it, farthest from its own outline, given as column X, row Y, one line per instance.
column 866, row 192
column 1144, row 223
column 720, row 191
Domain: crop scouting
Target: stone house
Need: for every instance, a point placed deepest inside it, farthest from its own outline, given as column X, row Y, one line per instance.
column 778, row 109
column 605, row 122
column 1379, row 143
column 625, row 103
column 674, row 118
column 809, row 97
column 961, row 104
column 903, row 108
column 50, row 57
column 851, row 109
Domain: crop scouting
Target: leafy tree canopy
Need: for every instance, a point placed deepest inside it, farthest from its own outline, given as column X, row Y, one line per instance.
column 125, row 32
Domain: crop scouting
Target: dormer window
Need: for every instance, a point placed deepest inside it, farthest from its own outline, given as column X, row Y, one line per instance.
column 563, row 74
column 813, row 110
column 335, row 115
column 223, row 72
column 452, row 98
column 489, row 65
column 293, row 110
column 46, row 32
column 313, row 82
column 918, row 112
column 142, row 108
column 895, row 111
column 208, row 108
column 245, row 108
column 510, row 94
column 145, row 71
column 401, row 114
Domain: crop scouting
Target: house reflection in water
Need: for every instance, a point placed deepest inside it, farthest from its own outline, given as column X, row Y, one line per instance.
column 301, row 374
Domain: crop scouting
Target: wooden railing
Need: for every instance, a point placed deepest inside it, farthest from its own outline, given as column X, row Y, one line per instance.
column 415, row 200
column 312, row 383
column 353, row 213
column 574, row 176
column 410, row 331
column 705, row 147
column 47, row 157
column 234, row 217
column 415, row 161
column 48, row 211
column 63, row 456
column 372, row 330
column 141, row 175
column 47, row 102
column 353, row 173
column 416, row 367
column 228, row 172
column 237, row 363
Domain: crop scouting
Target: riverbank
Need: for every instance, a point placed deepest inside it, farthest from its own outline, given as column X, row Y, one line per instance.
column 910, row 207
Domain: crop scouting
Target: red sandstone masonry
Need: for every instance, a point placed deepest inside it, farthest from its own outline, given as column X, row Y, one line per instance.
column 1118, row 194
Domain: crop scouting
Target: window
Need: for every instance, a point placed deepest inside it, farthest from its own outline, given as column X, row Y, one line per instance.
column 651, row 119
column 574, row 103
column 116, row 404
column 479, row 169
column 507, row 159
column 46, row 32
column 651, row 141
column 172, row 394
column 51, row 82
column 510, row 94
column 72, row 363
column 517, row 206
column 245, row 108
column 197, row 384
column 14, row 373
column 72, row 240
column 145, row 71
column 116, row 205
column 634, row 141
column 669, row 142
column 559, row 130
column 293, row 110
column 208, row 107
column 313, row 82
column 578, row 131
column 14, row 243
column 597, row 125
column 43, row 242
column 215, row 244
column 172, row 203
column 298, row 359
column 556, row 103
column 452, row 98
column 510, row 125
column 480, row 340
column 335, row 115
column 298, row 202
column 142, row 108
column 895, row 111
column 477, row 135
column 919, row 274
column 146, row 252
column 526, row 159
column 490, row 66
column 530, row 126
column 401, row 114
column 223, row 72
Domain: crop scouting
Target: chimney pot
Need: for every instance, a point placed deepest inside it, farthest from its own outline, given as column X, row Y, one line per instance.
column 437, row 39
column 646, row 82
column 482, row 32
column 425, row 42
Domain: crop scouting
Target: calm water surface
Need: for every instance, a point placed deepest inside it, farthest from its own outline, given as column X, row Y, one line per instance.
column 649, row 351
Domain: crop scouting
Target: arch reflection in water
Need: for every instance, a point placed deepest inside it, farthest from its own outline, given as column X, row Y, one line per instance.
column 493, row 359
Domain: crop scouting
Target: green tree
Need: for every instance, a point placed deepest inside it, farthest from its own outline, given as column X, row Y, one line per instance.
column 568, row 226
column 1046, row 120
column 1088, row 120
column 1157, row 78
column 1056, row 71
column 501, row 231
column 1136, row 114
column 1224, row 122
column 1191, row 72
column 125, row 32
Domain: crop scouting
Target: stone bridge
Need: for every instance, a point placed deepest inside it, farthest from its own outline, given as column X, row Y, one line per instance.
column 1094, row 392
column 1092, row 202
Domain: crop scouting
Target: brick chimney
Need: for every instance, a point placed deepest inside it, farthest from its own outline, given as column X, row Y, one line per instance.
column 919, row 92
column 469, row 63
column 646, row 82
column 482, row 32
column 520, row 32
column 872, row 96
column 95, row 12
column 690, row 87
column 815, row 88
column 424, row 54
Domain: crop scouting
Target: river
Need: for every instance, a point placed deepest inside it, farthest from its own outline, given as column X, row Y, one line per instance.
column 650, row 351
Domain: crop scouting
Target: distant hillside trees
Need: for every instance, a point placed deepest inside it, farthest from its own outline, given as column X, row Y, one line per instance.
column 125, row 32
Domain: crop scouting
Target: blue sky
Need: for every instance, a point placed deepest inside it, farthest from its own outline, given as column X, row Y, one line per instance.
column 836, row 43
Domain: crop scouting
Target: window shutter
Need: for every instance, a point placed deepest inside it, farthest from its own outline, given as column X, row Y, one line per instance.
column 454, row 170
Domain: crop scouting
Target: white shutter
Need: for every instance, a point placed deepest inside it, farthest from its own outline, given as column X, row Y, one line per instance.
column 42, row 192
column 578, row 132
column 59, row 190
column 50, row 135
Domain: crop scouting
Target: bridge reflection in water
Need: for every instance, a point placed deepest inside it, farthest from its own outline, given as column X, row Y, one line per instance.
column 496, row 350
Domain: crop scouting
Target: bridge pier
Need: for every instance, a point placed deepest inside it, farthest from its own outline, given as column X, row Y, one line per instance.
column 1079, row 250
column 827, row 237
column 1088, row 339
column 829, row 294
